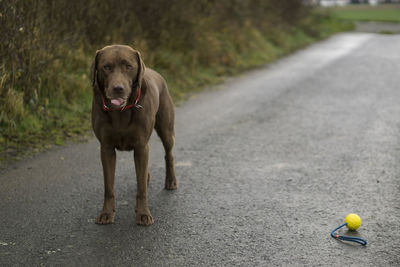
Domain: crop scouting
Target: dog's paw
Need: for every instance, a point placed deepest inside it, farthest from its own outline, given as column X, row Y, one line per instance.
column 171, row 184
column 105, row 217
column 144, row 219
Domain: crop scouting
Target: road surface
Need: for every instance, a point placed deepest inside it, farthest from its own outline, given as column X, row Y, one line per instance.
column 268, row 163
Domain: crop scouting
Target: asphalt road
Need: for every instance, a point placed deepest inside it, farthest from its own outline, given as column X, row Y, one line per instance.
column 268, row 163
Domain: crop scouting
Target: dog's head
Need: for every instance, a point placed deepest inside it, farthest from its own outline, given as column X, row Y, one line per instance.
column 118, row 71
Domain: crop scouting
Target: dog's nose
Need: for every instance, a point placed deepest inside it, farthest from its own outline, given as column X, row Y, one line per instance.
column 118, row 89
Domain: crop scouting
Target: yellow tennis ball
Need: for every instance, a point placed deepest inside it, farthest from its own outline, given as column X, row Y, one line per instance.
column 353, row 221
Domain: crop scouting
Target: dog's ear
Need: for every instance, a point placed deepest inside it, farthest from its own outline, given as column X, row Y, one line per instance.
column 142, row 68
column 93, row 68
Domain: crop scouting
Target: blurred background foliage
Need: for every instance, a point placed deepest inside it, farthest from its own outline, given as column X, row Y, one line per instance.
column 46, row 48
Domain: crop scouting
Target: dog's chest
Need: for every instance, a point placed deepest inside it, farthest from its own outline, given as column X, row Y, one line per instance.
column 123, row 132
column 123, row 141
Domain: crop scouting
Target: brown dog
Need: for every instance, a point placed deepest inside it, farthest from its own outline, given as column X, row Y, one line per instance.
column 129, row 101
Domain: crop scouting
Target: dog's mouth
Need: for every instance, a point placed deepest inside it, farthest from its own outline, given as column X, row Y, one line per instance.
column 118, row 102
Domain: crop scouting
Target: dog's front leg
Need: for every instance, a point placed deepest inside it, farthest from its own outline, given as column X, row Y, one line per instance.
column 108, row 158
column 141, row 155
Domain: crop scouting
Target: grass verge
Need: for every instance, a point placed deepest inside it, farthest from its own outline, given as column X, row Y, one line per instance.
column 64, row 117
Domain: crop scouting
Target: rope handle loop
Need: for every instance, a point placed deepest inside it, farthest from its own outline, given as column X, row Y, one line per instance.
column 358, row 240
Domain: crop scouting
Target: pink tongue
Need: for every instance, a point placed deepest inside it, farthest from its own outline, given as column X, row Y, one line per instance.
column 117, row 102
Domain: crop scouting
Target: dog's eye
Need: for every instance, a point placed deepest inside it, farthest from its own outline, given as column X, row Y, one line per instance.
column 107, row 67
column 128, row 66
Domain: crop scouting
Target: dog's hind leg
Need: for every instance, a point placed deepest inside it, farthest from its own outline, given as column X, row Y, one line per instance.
column 165, row 130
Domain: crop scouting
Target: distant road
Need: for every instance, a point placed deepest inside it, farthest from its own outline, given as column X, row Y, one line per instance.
column 268, row 163
column 377, row 27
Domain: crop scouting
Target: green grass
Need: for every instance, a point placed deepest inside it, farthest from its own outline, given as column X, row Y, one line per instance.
column 384, row 13
column 60, row 123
